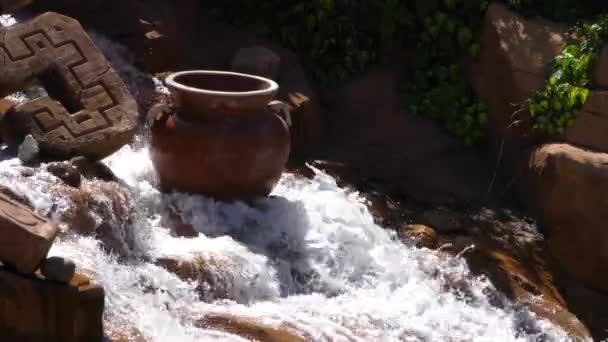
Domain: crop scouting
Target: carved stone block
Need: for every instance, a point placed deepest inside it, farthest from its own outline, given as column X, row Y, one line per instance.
column 25, row 237
column 34, row 309
column 88, row 110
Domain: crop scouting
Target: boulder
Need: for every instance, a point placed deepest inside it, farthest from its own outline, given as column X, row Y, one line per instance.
column 37, row 310
column 370, row 131
column 423, row 236
column 257, row 60
column 513, row 65
column 92, row 169
column 565, row 186
column 25, row 237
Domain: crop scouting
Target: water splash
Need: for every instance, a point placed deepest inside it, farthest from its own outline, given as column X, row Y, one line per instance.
column 310, row 256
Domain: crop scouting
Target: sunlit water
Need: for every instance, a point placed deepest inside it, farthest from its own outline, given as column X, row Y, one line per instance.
column 309, row 258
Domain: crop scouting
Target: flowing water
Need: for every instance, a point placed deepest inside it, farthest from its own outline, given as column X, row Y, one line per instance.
column 309, row 259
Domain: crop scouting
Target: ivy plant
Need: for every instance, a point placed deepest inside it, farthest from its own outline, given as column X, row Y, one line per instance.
column 555, row 108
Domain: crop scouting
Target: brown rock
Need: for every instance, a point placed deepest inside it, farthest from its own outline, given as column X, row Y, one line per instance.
column 88, row 111
column 413, row 155
column 565, row 186
column 524, row 277
column 201, row 270
column 257, row 60
column 511, row 67
column 38, row 310
column 25, row 237
column 591, row 124
column 66, row 172
column 425, row 237
column 250, row 329
column 16, row 197
column 600, row 72
column 93, row 169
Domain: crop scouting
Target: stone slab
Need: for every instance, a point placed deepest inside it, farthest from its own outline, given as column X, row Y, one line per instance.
column 88, row 110
column 591, row 127
column 32, row 309
column 25, row 237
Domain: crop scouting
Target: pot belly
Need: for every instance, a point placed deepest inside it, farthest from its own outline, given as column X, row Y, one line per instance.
column 225, row 160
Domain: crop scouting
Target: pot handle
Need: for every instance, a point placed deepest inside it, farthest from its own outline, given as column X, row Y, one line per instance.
column 282, row 109
column 158, row 112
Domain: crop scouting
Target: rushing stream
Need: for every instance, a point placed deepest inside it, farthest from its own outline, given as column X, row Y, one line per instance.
column 309, row 259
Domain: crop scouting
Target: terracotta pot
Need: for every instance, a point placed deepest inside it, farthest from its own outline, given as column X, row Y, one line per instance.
column 219, row 138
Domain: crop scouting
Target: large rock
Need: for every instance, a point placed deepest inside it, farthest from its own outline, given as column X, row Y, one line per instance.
column 511, row 67
column 591, row 124
column 600, row 71
column 88, row 111
column 370, row 131
column 566, row 186
column 36, row 310
column 25, row 237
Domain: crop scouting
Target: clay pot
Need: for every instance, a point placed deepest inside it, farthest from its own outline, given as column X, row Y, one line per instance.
column 219, row 138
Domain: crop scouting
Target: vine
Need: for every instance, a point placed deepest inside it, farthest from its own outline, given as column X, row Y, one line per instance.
column 555, row 108
column 437, row 87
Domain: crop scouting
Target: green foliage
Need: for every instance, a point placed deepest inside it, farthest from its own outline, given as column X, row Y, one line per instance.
column 338, row 39
column 448, row 33
column 554, row 108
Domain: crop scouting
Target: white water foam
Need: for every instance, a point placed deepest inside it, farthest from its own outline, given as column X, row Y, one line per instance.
column 310, row 257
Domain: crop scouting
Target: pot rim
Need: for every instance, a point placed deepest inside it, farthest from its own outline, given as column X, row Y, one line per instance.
column 172, row 83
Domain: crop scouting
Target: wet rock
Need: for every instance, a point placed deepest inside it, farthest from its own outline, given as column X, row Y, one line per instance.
column 257, row 60
column 93, row 169
column 66, row 172
column 37, row 310
column 424, row 236
column 58, row 269
column 196, row 269
column 26, row 237
column 125, row 334
column 565, row 187
column 29, row 150
column 524, row 276
column 251, row 329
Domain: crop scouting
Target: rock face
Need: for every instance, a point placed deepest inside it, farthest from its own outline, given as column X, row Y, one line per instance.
column 566, row 187
column 38, row 310
column 370, row 131
column 423, row 236
column 600, row 73
column 88, row 111
column 25, row 237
